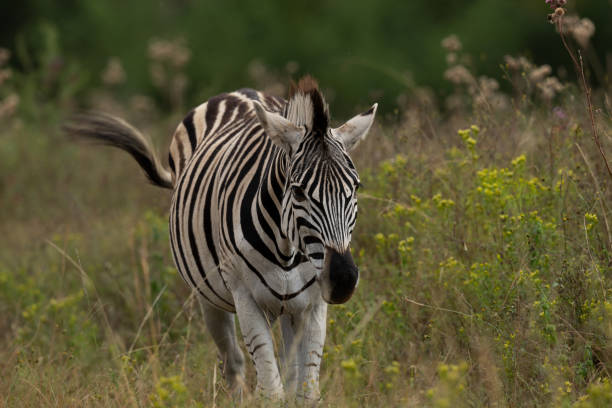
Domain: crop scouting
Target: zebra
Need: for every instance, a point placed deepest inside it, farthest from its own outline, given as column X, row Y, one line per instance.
column 263, row 208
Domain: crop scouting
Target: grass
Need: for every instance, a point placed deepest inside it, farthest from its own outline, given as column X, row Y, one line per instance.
column 483, row 239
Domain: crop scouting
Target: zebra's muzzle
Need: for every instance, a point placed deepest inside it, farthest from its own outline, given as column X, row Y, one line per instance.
column 339, row 276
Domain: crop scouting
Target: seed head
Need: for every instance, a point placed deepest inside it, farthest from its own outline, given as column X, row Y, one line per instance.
column 557, row 5
column 451, row 43
column 5, row 54
column 554, row 4
column 113, row 74
column 583, row 31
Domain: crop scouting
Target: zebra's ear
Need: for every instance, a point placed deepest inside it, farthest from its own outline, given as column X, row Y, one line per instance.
column 356, row 129
column 283, row 133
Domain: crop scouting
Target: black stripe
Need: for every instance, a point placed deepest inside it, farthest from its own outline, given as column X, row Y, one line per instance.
column 312, row 240
column 212, row 106
column 257, row 347
column 191, row 131
column 249, row 93
column 179, row 147
column 171, row 163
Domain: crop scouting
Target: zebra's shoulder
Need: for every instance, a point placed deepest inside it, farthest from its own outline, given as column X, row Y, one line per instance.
column 212, row 115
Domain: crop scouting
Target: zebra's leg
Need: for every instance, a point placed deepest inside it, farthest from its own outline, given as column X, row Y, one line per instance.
column 311, row 333
column 289, row 353
column 255, row 327
column 222, row 328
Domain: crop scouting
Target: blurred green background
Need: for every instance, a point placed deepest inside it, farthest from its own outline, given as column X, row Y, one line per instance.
column 359, row 50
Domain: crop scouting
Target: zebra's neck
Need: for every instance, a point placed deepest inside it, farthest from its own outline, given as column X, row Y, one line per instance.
column 269, row 200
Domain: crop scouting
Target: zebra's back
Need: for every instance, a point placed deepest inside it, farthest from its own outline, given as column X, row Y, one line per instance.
column 209, row 118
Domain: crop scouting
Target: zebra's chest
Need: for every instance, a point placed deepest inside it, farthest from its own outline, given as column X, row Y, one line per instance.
column 278, row 290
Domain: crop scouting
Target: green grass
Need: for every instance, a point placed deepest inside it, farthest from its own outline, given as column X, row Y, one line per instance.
column 485, row 259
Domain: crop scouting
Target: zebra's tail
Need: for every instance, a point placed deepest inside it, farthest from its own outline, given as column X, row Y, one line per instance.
column 112, row 131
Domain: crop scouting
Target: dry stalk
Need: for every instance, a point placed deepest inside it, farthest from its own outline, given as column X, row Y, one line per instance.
column 579, row 66
column 146, row 272
column 144, row 320
column 599, row 192
column 471, row 317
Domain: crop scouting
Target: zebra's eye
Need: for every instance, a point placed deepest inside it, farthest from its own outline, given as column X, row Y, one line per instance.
column 298, row 193
column 359, row 185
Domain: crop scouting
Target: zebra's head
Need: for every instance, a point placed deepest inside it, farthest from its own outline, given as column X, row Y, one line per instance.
column 319, row 204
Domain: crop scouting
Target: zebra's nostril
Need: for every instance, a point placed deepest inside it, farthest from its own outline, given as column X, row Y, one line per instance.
column 341, row 274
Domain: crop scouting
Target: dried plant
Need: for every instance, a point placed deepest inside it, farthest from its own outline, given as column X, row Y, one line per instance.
column 483, row 91
column 168, row 59
column 528, row 78
column 113, row 74
column 9, row 100
column 585, row 30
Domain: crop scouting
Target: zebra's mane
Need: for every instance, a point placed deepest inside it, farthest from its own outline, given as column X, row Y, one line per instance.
column 307, row 106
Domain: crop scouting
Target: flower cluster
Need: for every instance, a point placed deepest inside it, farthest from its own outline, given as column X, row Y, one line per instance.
column 452, row 43
column 557, row 5
column 554, row 4
column 537, row 78
column 483, row 91
column 171, row 52
column 581, row 29
column 168, row 60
